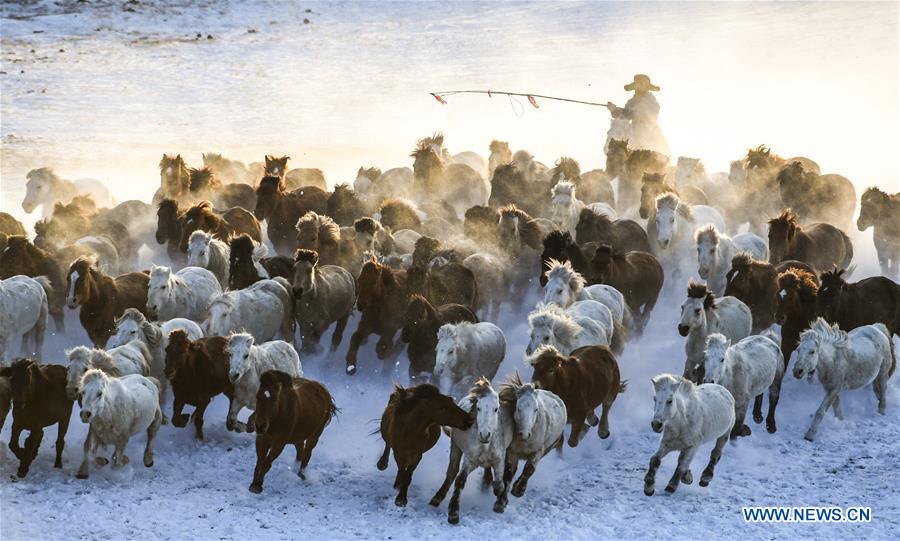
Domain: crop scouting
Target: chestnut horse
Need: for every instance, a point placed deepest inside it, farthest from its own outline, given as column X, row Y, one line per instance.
column 823, row 246
column 383, row 298
column 281, row 210
column 797, row 309
column 22, row 257
column 623, row 235
column 223, row 226
column 755, row 283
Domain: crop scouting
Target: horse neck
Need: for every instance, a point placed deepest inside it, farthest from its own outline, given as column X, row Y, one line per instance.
column 103, row 291
column 798, row 248
column 63, row 190
column 696, row 339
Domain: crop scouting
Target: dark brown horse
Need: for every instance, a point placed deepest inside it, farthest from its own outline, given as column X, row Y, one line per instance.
column 510, row 187
column 560, row 246
column 623, row 235
column 871, row 300
column 9, row 226
column 39, row 400
column 288, row 411
column 103, row 298
column 22, row 257
column 223, row 226
column 383, row 298
column 169, row 225
column 243, row 272
column 344, row 205
column 198, row 371
column 206, row 185
column 480, row 225
column 586, row 379
column 451, row 283
column 637, row 275
column 296, row 178
column 797, row 308
column 411, row 425
column 421, row 322
column 821, row 245
column 880, row 211
column 819, row 198
column 281, row 210
column 755, row 283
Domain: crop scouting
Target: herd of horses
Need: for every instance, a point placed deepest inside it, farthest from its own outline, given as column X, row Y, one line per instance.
column 254, row 264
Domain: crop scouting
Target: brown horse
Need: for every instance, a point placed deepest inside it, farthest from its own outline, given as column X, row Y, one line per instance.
column 288, row 411
column 411, row 425
column 198, row 371
column 623, row 235
column 480, row 225
column 205, row 185
column 223, row 226
column 383, row 298
column 871, row 300
column 243, row 272
column 637, row 275
column 22, row 257
column 9, row 226
column 755, row 283
column 587, row 378
column 102, row 298
column 820, row 198
column 39, row 400
column 823, row 246
column 174, row 178
column 451, row 283
column 230, row 171
column 344, row 205
column 281, row 210
column 297, row 178
column 797, row 309
column 879, row 211
column 169, row 226
column 509, row 186
column 421, row 322
column 560, row 246
column 398, row 215
column 629, row 166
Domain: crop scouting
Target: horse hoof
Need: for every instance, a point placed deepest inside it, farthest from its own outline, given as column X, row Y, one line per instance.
column 603, row 435
column 80, row 475
column 453, row 519
column 757, row 419
column 671, row 488
column 649, row 490
column 745, row 431
column 301, row 474
column 687, row 478
column 704, row 482
column 255, row 488
column 101, row 461
column 57, row 465
column 21, row 473
column 400, row 502
column 499, row 507
column 382, row 465
column 809, row 437
column 351, row 369
column 771, row 428
column 517, row 491
column 435, row 502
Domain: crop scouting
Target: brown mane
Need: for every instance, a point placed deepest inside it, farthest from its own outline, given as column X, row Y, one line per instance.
column 202, row 179
column 700, row 291
column 801, row 280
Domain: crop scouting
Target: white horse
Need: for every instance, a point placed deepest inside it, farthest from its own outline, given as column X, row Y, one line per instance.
column 688, row 416
column 746, row 369
column 566, row 208
column 490, row 276
column 44, row 188
column 676, row 222
column 845, row 361
column 716, row 249
column 264, row 309
column 540, row 418
column 211, row 254
column 247, row 363
column 132, row 325
column 551, row 325
column 483, row 445
column 702, row 314
column 130, row 358
column 565, row 286
column 23, row 315
column 186, row 293
column 465, row 352
column 116, row 409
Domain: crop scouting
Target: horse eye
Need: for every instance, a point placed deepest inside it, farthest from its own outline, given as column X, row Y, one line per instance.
column 496, row 410
column 246, row 355
column 669, row 401
column 696, row 310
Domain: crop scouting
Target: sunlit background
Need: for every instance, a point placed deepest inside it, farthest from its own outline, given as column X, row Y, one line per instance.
column 351, row 87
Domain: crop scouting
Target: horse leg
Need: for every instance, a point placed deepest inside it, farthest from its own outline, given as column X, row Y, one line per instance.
column 357, row 339
column 683, row 469
column 163, row 388
column 151, row 434
column 198, row 417
column 880, row 388
column 757, row 409
column 83, row 469
column 820, row 413
column 452, row 470
column 15, row 436
column 265, row 456
column 713, row 460
column 578, row 425
column 518, row 489
column 338, row 334
column 592, row 419
column 400, row 501
column 32, row 444
column 501, row 488
column 836, row 407
column 739, row 428
column 603, row 429
column 308, row 447
column 655, row 461
column 179, row 419
column 231, row 421
column 453, row 507
column 119, row 457
column 774, row 394
column 61, row 430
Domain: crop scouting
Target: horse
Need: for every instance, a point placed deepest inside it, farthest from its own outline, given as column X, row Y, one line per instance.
column 500, row 155
column 321, row 234
column 871, row 300
column 755, row 283
column 688, row 416
column 230, row 171
column 511, row 185
column 624, row 235
column 9, row 226
column 205, row 185
column 746, row 368
column 198, row 371
column 703, row 314
column 654, row 184
column 281, row 210
column 45, row 188
column 103, row 298
column 457, row 183
column 247, row 362
column 567, row 330
column 482, row 445
column 288, row 410
column 716, row 250
column 211, row 254
column 845, row 360
column 5, row 399
column 117, row 408
column 382, row 299
column 490, row 281
column 411, row 425
column 676, row 222
column 540, row 420
column 797, row 307
column 169, row 226
column 223, row 226
column 130, row 358
column 174, row 178
column 565, row 286
column 133, row 325
column 421, row 323
column 23, row 315
column 465, row 352
column 629, row 166
column 398, row 214
column 533, row 170
column 299, row 177
column 480, row 225
column 821, row 245
column 879, row 210
column 444, row 284
column 248, row 263
column 323, row 295
column 373, row 186
column 584, row 379
column 186, row 293
column 820, row 198
column 345, row 206
column 21, row 257
column 565, row 208
column 265, row 309
column 560, row 246
column 637, row 275
column 39, row 400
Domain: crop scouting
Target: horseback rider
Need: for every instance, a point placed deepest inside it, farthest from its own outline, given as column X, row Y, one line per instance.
column 641, row 112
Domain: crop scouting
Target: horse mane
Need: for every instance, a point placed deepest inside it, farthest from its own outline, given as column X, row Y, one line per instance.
column 151, row 331
column 168, row 205
column 562, row 324
column 668, row 200
column 707, row 233
column 172, row 161
column 566, row 168
column 618, row 144
column 596, row 218
column 544, row 352
column 830, row 334
column 832, row 278
column 410, row 397
column 329, row 230
column 200, row 234
column 498, row 146
column 529, row 230
column 92, row 375
column 716, row 342
column 104, row 361
column 670, row 380
column 224, row 299
column 344, row 191
column 372, row 173
column 557, row 241
column 743, row 261
column 480, row 389
column 242, row 245
column 656, row 178
column 700, row 291
column 203, row 178
column 802, row 280
column 564, row 271
column 426, row 144
column 84, row 265
column 510, row 390
column 310, row 256
column 482, row 213
column 367, row 225
column 397, row 206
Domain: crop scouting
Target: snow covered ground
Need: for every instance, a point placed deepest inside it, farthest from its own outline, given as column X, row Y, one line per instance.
column 346, row 90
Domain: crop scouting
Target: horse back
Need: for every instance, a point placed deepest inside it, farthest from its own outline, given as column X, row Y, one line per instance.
column 312, row 408
column 455, row 313
column 51, row 405
column 595, row 375
column 131, row 291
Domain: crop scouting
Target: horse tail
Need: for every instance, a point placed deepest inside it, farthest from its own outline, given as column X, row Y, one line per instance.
column 772, row 335
column 155, row 382
column 618, row 338
column 45, row 285
column 623, row 386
